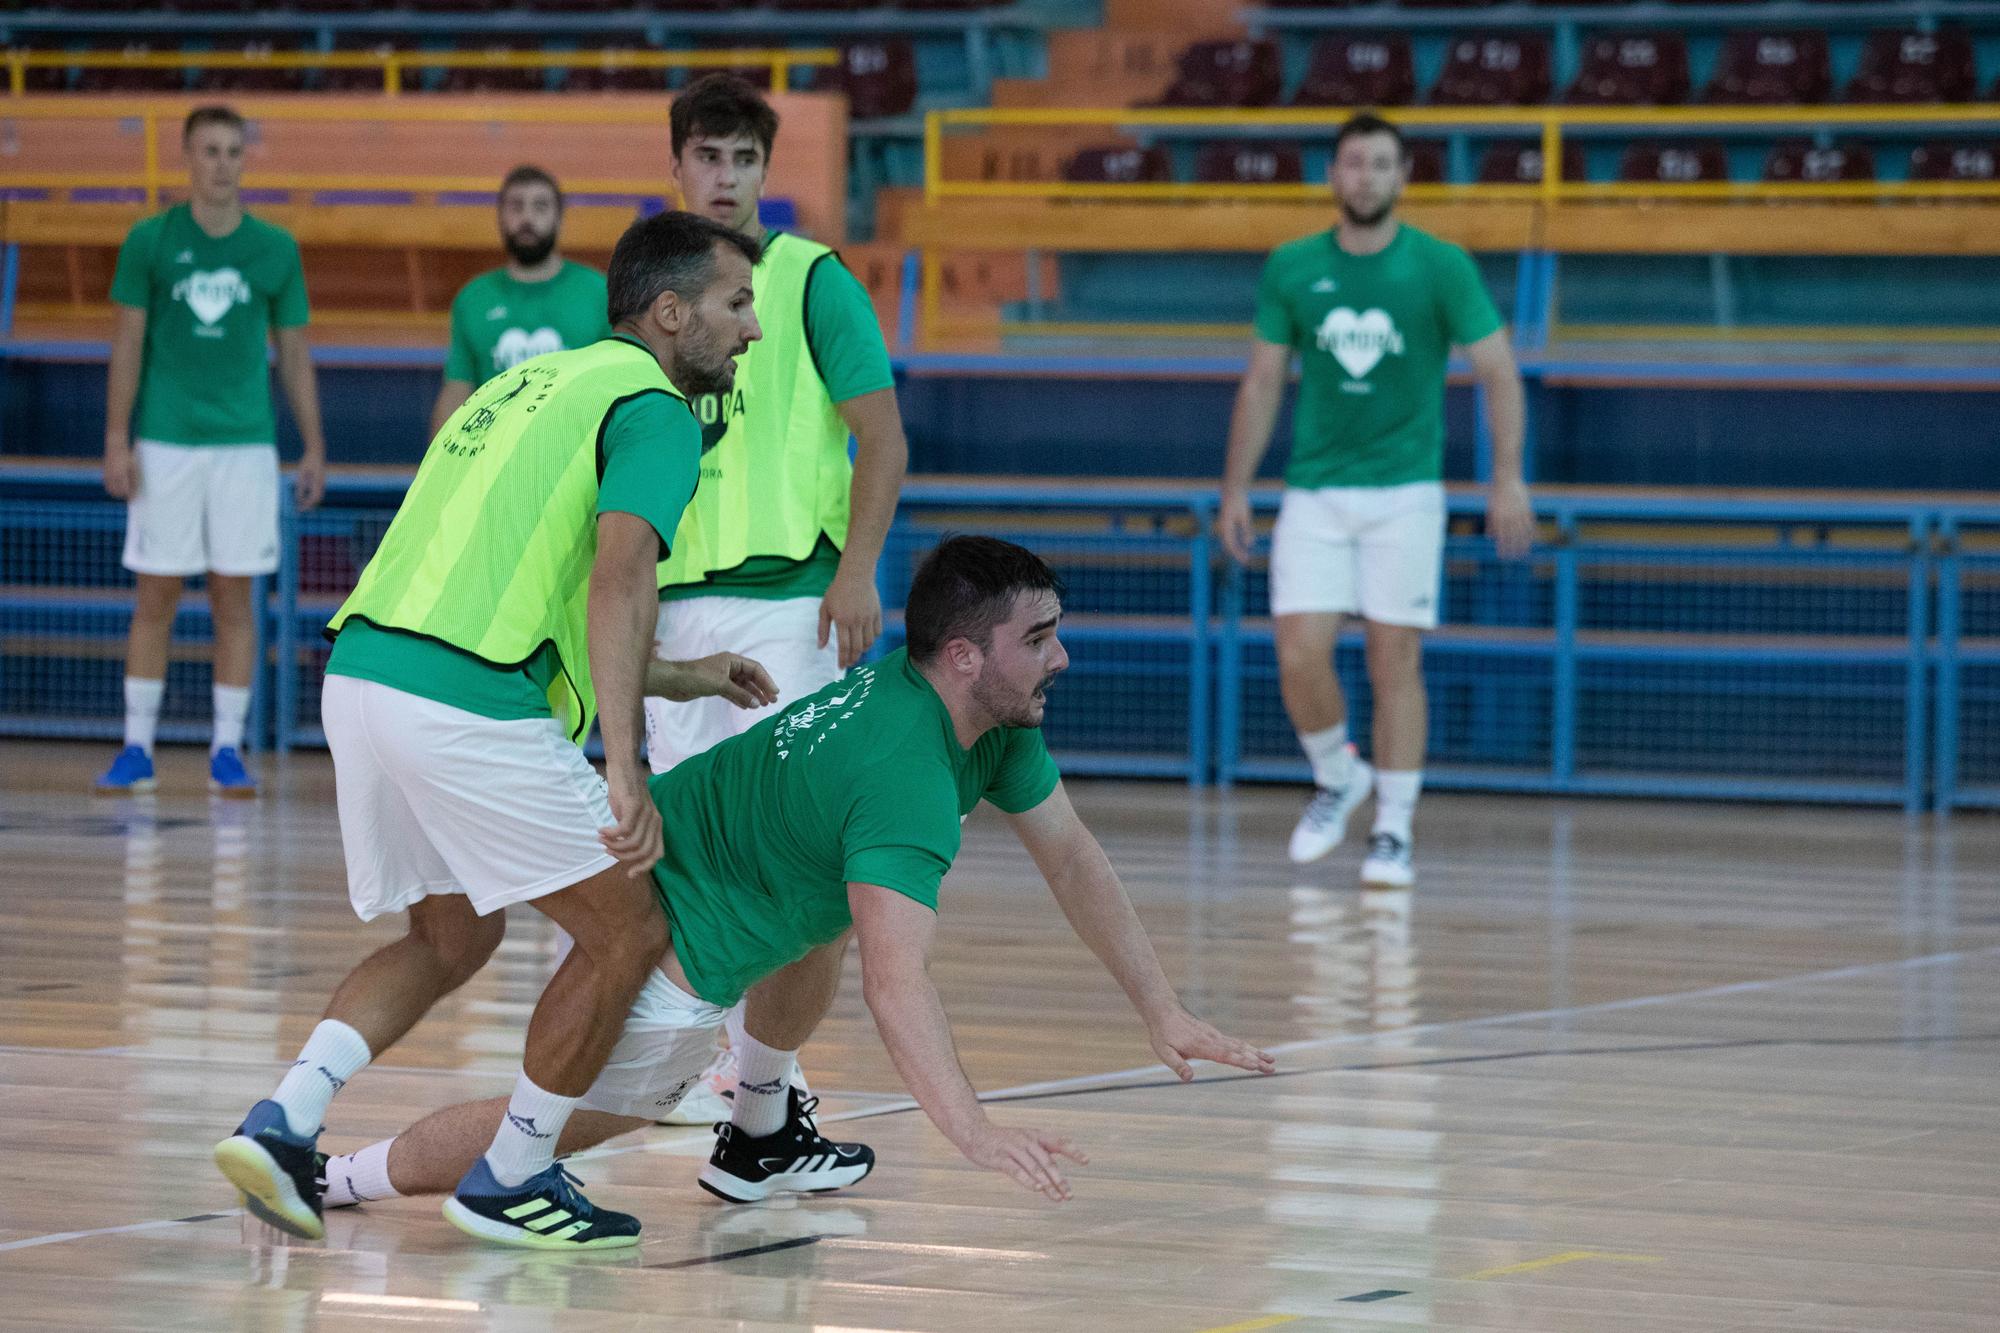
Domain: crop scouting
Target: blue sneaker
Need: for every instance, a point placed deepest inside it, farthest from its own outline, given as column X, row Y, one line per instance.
column 546, row 1211
column 228, row 777
column 130, row 774
column 277, row 1170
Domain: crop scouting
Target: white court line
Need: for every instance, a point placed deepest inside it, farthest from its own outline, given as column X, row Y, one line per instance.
column 1152, row 1071
column 1111, row 1080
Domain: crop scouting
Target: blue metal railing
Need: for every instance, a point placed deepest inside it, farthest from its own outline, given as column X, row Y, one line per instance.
column 1653, row 643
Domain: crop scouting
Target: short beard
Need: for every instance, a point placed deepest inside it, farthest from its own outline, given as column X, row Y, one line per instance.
column 691, row 373
column 1374, row 219
column 1007, row 712
column 529, row 253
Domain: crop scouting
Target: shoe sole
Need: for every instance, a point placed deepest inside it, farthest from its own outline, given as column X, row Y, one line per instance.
column 267, row 1190
column 703, row 1108
column 143, row 787
column 734, row 1189
column 1387, row 885
column 503, row 1233
column 1364, row 778
column 231, row 793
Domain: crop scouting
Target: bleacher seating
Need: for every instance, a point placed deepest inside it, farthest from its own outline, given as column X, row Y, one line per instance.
column 1497, row 69
column 1227, row 73
column 1802, row 160
column 1772, row 69
column 240, row 80
column 358, row 80
column 1912, row 66
column 1956, row 162
column 1427, row 161
column 1119, row 165
column 611, row 77
column 1371, row 69
column 464, row 79
column 1249, row 164
column 1632, row 69
column 1519, row 162
column 1682, row 163
column 100, row 79
column 878, row 75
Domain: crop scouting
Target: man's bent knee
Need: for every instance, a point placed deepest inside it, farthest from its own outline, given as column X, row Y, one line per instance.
column 461, row 939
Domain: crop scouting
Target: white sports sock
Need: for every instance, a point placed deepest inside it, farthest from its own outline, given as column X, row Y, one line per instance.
column 232, row 710
column 333, row 1054
column 763, row 1085
column 526, row 1143
column 1327, row 751
column 142, row 710
column 1396, row 800
column 360, row 1177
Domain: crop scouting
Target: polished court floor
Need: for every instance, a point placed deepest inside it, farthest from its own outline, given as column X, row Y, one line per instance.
column 1613, row 1066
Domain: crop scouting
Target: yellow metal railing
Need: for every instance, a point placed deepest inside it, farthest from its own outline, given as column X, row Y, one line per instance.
column 1549, row 124
column 392, row 64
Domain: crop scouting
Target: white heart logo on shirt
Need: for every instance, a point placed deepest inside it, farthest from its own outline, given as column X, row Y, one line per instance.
column 210, row 295
column 517, row 345
column 1359, row 341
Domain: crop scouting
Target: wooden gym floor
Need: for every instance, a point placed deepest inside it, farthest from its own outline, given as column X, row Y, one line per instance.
column 1615, row 1066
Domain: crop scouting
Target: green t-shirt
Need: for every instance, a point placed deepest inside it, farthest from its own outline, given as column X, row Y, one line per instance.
column 210, row 304
column 1373, row 333
column 863, row 781
column 498, row 322
column 640, row 477
column 848, row 352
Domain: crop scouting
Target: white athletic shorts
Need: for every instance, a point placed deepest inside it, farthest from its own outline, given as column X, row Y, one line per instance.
column 1372, row 551
column 782, row 635
column 203, row 508
column 669, row 1039
column 434, row 799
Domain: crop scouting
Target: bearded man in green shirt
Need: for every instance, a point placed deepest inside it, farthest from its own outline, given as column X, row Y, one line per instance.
column 202, row 290
column 537, row 302
column 842, row 812
column 1372, row 308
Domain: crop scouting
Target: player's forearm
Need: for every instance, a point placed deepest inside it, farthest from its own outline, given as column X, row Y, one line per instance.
column 911, row 1019
column 1094, row 899
column 1506, row 422
column 295, row 372
column 121, row 390
column 881, row 458
column 1250, row 424
column 624, row 607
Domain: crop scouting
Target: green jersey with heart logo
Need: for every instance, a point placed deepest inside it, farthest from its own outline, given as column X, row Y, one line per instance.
column 210, row 303
column 1373, row 333
column 498, row 321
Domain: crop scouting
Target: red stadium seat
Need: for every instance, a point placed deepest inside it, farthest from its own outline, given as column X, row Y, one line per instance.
column 1359, row 70
column 1679, row 163
column 1632, row 69
column 1911, row 66
column 1772, row 69
column 1119, row 165
column 1519, row 162
column 1249, row 164
column 1802, row 160
column 879, row 76
column 1956, row 162
column 610, row 77
column 1240, row 73
column 1495, row 69
column 272, row 79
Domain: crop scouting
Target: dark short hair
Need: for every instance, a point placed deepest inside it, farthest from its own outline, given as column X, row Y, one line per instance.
column 668, row 252
column 718, row 106
column 965, row 587
column 526, row 174
column 213, row 114
column 1367, row 122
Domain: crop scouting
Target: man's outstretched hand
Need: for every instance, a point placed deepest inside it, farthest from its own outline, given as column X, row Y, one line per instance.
column 1179, row 1037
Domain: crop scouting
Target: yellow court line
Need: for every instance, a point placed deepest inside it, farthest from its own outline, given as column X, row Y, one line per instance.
column 1268, row 1321
column 1566, row 1257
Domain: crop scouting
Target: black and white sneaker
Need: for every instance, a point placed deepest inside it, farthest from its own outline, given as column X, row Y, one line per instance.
column 1388, row 863
column 795, row 1160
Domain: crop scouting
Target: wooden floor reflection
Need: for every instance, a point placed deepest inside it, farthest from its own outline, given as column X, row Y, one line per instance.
column 1614, row 1066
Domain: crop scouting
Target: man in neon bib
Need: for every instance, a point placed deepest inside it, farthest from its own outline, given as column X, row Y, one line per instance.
column 776, row 557
column 511, row 600
column 841, row 813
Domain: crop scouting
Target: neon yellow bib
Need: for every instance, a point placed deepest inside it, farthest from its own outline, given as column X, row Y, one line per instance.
column 492, row 548
column 779, row 475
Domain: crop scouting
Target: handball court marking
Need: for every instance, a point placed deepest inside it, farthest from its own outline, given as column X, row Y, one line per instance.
column 1109, row 1081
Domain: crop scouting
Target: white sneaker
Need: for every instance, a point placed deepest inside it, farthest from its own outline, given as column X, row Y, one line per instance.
column 713, row 1095
column 1324, row 823
column 1388, row 863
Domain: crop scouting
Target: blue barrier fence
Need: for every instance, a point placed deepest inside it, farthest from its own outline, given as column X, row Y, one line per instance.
column 1814, row 648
